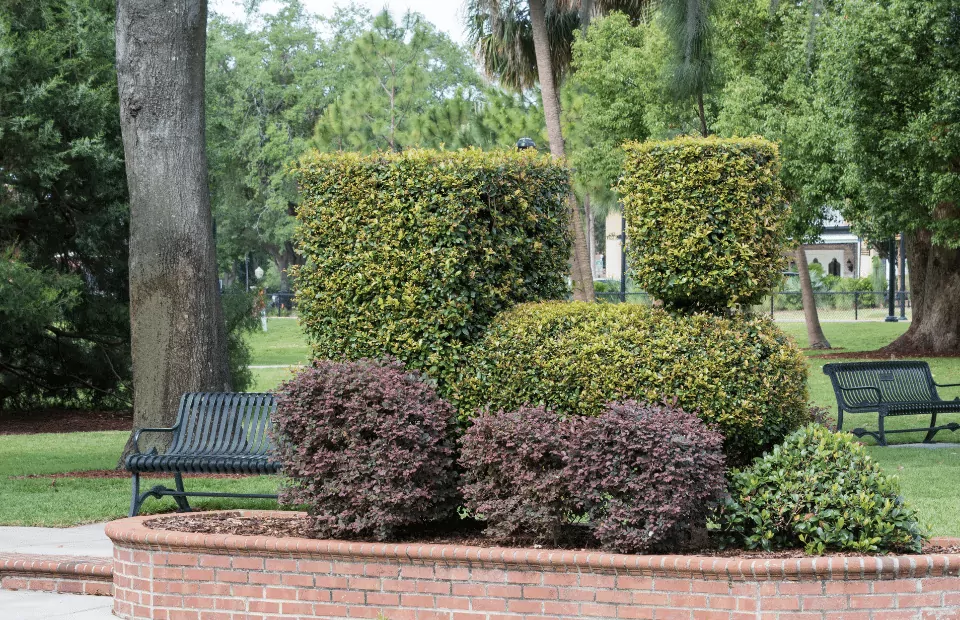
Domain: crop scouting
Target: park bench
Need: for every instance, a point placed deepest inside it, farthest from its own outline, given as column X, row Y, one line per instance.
column 221, row 433
column 890, row 389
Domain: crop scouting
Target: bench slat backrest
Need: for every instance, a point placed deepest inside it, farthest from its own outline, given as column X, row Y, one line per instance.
column 898, row 382
column 223, row 423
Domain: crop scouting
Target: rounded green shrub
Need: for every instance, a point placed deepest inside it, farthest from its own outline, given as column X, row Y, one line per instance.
column 705, row 220
column 412, row 254
column 740, row 374
column 820, row 491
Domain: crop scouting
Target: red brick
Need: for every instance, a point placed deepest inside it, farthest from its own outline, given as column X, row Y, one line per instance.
column 285, row 565
column 940, row 584
column 788, row 588
column 505, row 591
column 247, row 563
column 268, row 607
column 706, row 614
column 416, row 600
column 634, row 583
column 452, row 602
column 525, row 607
column 891, row 586
column 309, row 594
column 595, row 609
column 330, row 582
column 711, row 587
column 330, row 611
column 697, row 601
column 182, row 559
column 363, row 611
column 722, row 602
column 493, row 575
column 641, row 613
column 347, row 596
column 780, row 604
column 363, row 583
column 561, row 579
column 221, row 589
column 423, row 614
column 654, row 599
column 672, row 585
column 871, row 602
column 453, row 573
column 296, row 608
column 383, row 598
column 823, row 602
column 615, row 596
column 232, row 577
column 539, row 592
column 303, row 581
column 230, row 603
column 931, row 599
column 561, row 609
column 416, row 572
column 381, row 570
column 459, row 615
column 309, row 566
column 489, row 604
column 848, row 615
column 671, row 614
column 215, row 561
column 281, row 594
column 579, row 594
column 466, row 589
column 902, row 614
column 597, row 581
column 198, row 574
column 246, row 591
column 433, row 587
column 848, row 587
column 272, row 579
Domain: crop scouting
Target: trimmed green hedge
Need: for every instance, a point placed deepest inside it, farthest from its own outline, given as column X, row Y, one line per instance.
column 741, row 374
column 413, row 254
column 705, row 220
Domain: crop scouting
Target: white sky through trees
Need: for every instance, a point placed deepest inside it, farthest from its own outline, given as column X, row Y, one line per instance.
column 446, row 15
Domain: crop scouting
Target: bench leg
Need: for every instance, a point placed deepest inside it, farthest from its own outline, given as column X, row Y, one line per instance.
column 933, row 431
column 135, row 500
column 881, row 436
column 182, row 504
column 839, row 420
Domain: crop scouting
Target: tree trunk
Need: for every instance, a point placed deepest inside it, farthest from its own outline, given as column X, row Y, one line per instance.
column 178, row 334
column 810, row 316
column 591, row 235
column 934, row 299
column 579, row 261
column 703, row 116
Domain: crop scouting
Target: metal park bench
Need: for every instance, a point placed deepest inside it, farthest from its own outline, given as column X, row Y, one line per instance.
column 890, row 389
column 221, row 433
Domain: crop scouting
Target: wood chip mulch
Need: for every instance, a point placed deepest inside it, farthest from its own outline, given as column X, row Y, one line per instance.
column 63, row 421
column 464, row 532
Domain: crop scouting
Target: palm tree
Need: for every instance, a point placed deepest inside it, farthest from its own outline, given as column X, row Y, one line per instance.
column 688, row 24
column 524, row 42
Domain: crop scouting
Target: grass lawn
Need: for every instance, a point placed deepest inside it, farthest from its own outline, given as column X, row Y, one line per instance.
column 928, row 477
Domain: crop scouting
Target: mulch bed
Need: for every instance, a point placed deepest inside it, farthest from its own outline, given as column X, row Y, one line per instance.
column 462, row 532
column 63, row 421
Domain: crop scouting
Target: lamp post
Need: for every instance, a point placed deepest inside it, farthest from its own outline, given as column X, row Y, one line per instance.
column 526, row 143
column 892, row 257
column 258, row 274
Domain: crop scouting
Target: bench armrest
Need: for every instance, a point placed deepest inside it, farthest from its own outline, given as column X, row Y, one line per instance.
column 865, row 387
column 136, row 435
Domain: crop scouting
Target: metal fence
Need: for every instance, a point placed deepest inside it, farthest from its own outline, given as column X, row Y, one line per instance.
column 787, row 306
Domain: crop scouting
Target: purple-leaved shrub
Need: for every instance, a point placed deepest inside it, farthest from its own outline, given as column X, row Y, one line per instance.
column 512, row 464
column 647, row 475
column 366, row 447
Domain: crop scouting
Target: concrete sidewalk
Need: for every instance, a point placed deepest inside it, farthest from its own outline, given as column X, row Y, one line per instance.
column 86, row 540
column 43, row 606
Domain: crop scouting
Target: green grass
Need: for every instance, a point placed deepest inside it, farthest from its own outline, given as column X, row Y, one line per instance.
column 282, row 343
column 928, row 477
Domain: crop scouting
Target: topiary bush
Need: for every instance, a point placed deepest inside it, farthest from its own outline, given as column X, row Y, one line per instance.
column 705, row 220
column 646, row 474
column 818, row 490
column 512, row 465
column 740, row 374
column 412, row 254
column 366, row 448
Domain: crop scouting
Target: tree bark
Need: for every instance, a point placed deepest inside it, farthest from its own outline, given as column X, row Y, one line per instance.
column 703, row 116
column 810, row 315
column 579, row 262
column 179, row 340
column 934, row 298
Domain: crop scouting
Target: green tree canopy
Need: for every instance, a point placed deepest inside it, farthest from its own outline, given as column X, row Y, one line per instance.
column 63, row 204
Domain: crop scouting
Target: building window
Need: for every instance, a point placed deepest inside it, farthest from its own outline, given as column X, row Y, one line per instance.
column 834, row 267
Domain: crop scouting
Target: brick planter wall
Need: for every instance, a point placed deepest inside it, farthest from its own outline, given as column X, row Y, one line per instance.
column 173, row 576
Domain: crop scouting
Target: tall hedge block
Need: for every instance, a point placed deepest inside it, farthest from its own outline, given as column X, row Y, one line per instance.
column 412, row 254
column 705, row 220
column 740, row 374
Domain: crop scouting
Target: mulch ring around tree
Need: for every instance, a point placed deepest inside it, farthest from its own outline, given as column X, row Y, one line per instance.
column 64, row 421
column 462, row 532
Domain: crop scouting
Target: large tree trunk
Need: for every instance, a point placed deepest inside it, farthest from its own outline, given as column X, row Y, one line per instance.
column 179, row 341
column 810, row 315
column 579, row 261
column 935, row 299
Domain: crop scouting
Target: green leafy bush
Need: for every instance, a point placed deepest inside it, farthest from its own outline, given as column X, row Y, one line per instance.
column 705, row 220
column 412, row 254
column 646, row 474
column 740, row 374
column 818, row 490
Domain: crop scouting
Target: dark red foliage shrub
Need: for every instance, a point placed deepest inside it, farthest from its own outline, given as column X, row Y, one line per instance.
column 366, row 447
column 646, row 474
column 512, row 466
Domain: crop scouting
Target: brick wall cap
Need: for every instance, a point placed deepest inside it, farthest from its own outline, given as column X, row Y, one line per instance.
column 132, row 533
column 63, row 566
